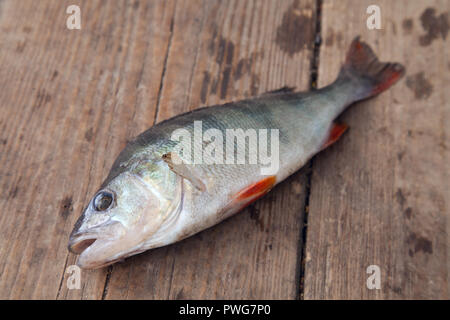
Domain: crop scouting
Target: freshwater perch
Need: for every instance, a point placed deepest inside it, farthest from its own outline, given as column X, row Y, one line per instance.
column 153, row 196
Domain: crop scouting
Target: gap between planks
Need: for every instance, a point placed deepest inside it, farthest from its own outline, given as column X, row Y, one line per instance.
column 313, row 73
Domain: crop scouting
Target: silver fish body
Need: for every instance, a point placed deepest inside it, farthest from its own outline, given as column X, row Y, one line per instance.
column 147, row 201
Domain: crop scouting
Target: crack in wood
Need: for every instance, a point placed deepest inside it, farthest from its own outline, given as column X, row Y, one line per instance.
column 312, row 86
column 166, row 58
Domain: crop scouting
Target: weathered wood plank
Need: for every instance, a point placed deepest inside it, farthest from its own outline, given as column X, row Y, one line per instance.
column 380, row 196
column 69, row 101
column 220, row 51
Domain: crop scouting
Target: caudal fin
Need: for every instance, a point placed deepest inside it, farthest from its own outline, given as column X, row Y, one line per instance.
column 363, row 67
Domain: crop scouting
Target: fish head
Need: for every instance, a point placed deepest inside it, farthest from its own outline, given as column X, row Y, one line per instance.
column 125, row 213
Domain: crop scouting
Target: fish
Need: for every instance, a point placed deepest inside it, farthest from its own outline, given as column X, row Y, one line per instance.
column 155, row 195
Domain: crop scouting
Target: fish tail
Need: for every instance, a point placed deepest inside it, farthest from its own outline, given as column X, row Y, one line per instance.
column 369, row 75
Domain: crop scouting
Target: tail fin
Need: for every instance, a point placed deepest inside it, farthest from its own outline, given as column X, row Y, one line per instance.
column 363, row 67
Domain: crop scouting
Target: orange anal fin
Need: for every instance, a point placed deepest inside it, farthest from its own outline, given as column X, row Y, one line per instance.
column 337, row 130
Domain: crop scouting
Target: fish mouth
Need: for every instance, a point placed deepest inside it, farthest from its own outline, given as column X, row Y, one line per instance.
column 87, row 248
column 97, row 247
column 79, row 244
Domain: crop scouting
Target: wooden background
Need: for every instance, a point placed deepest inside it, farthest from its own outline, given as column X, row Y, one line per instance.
column 70, row 99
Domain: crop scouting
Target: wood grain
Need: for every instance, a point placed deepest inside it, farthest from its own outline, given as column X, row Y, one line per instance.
column 71, row 99
column 380, row 196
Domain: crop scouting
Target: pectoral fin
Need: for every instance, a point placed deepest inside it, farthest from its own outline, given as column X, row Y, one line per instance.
column 186, row 171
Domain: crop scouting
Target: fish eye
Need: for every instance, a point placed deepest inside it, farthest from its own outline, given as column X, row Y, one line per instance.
column 103, row 200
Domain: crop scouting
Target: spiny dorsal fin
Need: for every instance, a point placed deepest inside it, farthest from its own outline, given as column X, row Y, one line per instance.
column 284, row 89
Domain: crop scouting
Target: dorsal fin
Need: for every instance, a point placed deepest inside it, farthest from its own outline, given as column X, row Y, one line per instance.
column 284, row 89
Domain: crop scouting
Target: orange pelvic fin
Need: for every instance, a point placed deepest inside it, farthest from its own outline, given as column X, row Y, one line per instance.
column 337, row 130
column 248, row 195
column 256, row 190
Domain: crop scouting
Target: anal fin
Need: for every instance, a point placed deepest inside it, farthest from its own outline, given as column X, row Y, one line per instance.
column 284, row 89
column 336, row 131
